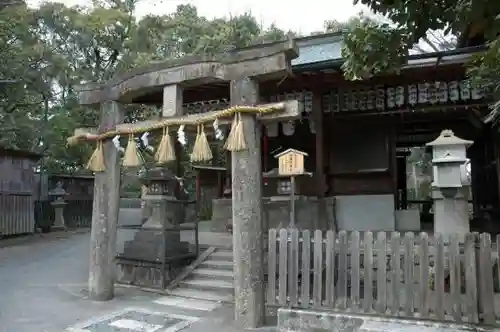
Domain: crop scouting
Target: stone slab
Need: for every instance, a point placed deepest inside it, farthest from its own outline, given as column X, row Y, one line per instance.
column 291, row 320
column 277, row 213
column 189, row 304
column 365, row 212
column 139, row 320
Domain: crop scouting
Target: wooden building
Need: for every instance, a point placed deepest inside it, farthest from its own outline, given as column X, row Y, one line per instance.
column 17, row 189
column 357, row 133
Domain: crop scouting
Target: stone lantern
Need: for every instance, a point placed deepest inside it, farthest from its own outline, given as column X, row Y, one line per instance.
column 160, row 190
column 451, row 187
column 57, row 201
column 160, row 234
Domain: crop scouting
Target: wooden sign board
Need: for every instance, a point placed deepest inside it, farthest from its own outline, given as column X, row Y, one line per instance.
column 291, row 162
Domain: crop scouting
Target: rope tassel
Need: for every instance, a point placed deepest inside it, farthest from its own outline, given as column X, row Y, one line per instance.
column 201, row 148
column 165, row 152
column 96, row 161
column 131, row 158
column 236, row 139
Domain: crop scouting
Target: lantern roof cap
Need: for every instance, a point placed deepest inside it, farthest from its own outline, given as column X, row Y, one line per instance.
column 158, row 173
column 447, row 137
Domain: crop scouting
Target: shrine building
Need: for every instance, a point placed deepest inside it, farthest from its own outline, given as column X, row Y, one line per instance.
column 359, row 136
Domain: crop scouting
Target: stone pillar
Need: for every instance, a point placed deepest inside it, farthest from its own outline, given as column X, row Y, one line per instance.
column 105, row 212
column 172, row 101
column 173, row 106
column 246, row 170
column 451, row 214
column 59, row 222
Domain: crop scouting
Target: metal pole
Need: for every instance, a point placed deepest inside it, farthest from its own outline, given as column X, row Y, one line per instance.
column 292, row 202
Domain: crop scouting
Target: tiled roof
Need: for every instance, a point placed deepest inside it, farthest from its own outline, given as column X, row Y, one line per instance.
column 327, row 48
column 318, row 48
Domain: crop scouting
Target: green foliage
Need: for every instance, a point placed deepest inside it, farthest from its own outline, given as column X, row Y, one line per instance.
column 370, row 42
column 372, row 47
column 47, row 51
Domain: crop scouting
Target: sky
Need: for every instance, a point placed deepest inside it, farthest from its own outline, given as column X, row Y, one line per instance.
column 302, row 16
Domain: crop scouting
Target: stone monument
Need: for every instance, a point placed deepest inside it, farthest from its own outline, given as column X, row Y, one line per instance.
column 451, row 186
column 58, row 194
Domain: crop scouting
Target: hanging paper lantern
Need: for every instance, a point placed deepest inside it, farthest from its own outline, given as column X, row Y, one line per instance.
column 288, row 128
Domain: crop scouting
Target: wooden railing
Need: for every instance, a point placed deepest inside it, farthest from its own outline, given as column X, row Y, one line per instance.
column 404, row 275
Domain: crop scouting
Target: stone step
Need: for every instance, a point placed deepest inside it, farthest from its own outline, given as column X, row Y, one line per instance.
column 214, row 274
column 186, row 303
column 201, row 294
column 217, row 264
column 223, row 286
column 222, row 255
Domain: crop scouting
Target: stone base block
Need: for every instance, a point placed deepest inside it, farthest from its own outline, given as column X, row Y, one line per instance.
column 145, row 276
column 153, row 246
column 291, row 320
column 276, row 213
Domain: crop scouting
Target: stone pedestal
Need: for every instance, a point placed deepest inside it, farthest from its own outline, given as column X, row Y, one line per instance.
column 165, row 214
column 59, row 222
column 156, row 240
column 451, row 214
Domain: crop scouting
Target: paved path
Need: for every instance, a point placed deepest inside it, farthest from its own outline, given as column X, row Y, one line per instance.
column 42, row 289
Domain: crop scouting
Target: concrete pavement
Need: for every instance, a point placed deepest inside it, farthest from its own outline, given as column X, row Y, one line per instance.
column 42, row 289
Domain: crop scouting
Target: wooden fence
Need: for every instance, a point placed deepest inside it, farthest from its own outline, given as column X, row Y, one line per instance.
column 410, row 275
column 77, row 213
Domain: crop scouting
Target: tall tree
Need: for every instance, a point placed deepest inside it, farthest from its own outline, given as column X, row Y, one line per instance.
column 47, row 51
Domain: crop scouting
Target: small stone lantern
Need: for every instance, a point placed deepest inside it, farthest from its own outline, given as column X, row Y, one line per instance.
column 450, row 186
column 161, row 185
column 58, row 194
column 166, row 211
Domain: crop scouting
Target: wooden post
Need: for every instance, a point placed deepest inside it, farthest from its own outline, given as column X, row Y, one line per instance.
column 105, row 212
column 246, row 171
column 319, row 172
column 292, row 201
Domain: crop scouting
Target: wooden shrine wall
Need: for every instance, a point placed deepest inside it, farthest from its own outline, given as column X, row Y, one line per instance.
column 359, row 157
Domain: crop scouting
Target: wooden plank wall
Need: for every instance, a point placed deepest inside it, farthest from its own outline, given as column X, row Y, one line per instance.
column 16, row 214
column 16, row 195
column 402, row 275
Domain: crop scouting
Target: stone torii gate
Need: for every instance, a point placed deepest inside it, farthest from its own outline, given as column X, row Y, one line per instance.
column 244, row 69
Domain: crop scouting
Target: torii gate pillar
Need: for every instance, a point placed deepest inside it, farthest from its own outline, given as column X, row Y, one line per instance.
column 249, row 300
column 105, row 212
